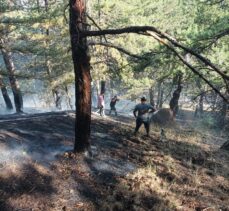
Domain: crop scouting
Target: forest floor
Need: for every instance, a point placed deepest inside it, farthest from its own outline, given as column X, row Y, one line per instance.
column 183, row 171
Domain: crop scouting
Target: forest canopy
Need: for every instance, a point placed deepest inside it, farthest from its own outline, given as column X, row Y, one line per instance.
column 168, row 38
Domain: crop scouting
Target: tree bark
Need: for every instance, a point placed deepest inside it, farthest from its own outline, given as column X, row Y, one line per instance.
column 176, row 95
column 161, row 98
column 18, row 101
column 103, row 87
column 55, row 91
column 5, row 95
column 201, row 104
column 151, row 96
column 81, row 61
column 158, row 93
column 223, row 112
column 214, row 103
column 68, row 97
column 57, row 97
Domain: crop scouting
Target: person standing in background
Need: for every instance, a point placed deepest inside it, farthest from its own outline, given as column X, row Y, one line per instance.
column 112, row 105
column 101, row 104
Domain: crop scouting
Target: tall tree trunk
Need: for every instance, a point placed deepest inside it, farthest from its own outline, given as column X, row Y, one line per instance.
column 55, row 91
column 68, row 97
column 200, row 107
column 176, row 95
column 38, row 6
column 151, row 96
column 199, row 111
column 161, row 98
column 158, row 93
column 223, row 112
column 18, row 101
column 201, row 103
column 5, row 95
column 81, row 61
column 214, row 103
column 46, row 10
column 57, row 96
column 103, row 87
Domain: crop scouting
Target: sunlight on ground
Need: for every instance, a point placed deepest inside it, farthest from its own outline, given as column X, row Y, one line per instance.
column 184, row 172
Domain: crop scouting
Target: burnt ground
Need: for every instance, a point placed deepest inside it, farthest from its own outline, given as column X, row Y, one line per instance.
column 183, row 171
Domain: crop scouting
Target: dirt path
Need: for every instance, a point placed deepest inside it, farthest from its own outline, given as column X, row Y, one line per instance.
column 125, row 172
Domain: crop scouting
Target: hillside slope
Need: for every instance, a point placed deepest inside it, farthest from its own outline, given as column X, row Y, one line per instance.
column 183, row 171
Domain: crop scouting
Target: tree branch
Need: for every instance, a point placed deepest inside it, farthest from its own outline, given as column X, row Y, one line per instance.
column 117, row 48
column 204, row 92
column 144, row 29
column 93, row 21
column 188, row 65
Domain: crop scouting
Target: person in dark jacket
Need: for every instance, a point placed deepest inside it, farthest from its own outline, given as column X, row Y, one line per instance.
column 143, row 117
column 112, row 105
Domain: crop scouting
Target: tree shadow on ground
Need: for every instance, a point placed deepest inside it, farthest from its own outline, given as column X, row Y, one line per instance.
column 104, row 190
column 191, row 158
column 115, row 195
column 99, row 178
column 23, row 186
column 27, row 144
